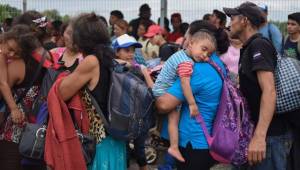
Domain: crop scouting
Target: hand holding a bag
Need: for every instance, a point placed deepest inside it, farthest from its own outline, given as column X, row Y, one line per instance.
column 17, row 116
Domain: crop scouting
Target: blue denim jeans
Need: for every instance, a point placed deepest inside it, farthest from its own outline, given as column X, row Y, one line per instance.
column 169, row 163
column 278, row 149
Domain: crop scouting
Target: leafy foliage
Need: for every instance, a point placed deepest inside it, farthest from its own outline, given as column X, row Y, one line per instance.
column 6, row 11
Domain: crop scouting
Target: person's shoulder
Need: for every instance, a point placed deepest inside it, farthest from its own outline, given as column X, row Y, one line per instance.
column 261, row 42
column 263, row 46
column 177, row 58
column 179, row 55
column 166, row 48
column 216, row 58
column 134, row 21
column 273, row 26
column 89, row 62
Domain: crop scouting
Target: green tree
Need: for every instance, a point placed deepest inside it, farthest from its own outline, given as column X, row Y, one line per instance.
column 66, row 18
column 6, row 11
column 52, row 14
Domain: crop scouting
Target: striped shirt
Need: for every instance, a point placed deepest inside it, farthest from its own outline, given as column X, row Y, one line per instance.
column 170, row 72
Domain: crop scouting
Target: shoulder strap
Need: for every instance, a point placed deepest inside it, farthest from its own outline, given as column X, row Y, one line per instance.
column 57, row 53
column 298, row 46
column 217, row 68
column 200, row 120
column 98, row 109
column 269, row 32
column 199, row 117
column 285, row 39
column 46, row 63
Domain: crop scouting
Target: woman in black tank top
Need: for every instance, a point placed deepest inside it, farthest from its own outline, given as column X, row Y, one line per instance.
column 91, row 37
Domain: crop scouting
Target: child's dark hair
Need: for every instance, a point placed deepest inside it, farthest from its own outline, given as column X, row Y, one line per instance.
column 117, row 14
column 183, row 28
column 28, row 19
column 56, row 27
column 220, row 35
column 122, row 24
column 204, row 34
column 166, row 23
column 91, row 37
column 18, row 33
column 146, row 24
column 26, row 40
column 102, row 18
column 221, row 15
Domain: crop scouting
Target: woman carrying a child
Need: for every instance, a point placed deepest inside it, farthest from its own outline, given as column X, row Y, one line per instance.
column 199, row 94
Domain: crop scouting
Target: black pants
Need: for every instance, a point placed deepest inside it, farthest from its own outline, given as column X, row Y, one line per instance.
column 10, row 158
column 138, row 152
column 195, row 159
column 294, row 158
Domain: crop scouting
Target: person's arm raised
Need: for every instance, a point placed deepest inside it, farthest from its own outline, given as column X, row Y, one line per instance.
column 86, row 71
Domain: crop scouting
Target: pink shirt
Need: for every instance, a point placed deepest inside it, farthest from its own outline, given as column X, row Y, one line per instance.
column 231, row 59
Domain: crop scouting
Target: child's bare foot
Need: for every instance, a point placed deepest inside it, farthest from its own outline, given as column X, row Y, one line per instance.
column 176, row 154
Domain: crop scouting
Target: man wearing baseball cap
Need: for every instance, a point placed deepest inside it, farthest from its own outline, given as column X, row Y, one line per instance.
column 155, row 34
column 269, row 30
column 268, row 149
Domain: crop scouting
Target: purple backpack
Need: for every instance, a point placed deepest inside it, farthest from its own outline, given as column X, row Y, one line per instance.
column 232, row 129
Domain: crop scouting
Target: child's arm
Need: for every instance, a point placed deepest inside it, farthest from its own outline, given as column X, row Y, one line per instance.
column 188, row 94
column 185, row 71
column 147, row 76
column 6, row 91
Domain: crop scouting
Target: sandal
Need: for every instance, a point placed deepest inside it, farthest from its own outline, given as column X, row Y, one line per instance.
column 151, row 155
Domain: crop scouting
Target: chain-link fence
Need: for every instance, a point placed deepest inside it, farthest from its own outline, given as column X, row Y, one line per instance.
column 189, row 9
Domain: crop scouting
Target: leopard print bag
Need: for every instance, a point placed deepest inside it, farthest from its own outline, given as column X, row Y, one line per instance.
column 96, row 128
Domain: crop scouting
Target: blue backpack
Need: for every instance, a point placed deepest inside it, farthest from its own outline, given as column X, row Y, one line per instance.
column 130, row 105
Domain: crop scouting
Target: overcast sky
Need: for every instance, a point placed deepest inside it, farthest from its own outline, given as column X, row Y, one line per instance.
column 190, row 9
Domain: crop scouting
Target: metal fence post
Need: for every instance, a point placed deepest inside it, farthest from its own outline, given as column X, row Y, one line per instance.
column 24, row 6
column 163, row 12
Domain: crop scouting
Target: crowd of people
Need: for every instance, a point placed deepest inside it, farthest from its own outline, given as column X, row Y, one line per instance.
column 175, row 65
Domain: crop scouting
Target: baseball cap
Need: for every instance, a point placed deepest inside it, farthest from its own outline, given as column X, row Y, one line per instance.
column 154, row 30
column 249, row 10
column 125, row 41
column 263, row 7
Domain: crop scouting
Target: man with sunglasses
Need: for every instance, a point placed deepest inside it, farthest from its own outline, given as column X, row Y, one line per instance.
column 271, row 142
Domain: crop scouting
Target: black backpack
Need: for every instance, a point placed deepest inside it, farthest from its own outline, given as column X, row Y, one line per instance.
column 50, row 76
column 130, row 105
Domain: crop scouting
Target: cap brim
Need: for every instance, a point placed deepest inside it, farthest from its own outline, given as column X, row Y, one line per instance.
column 149, row 35
column 231, row 11
column 131, row 44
